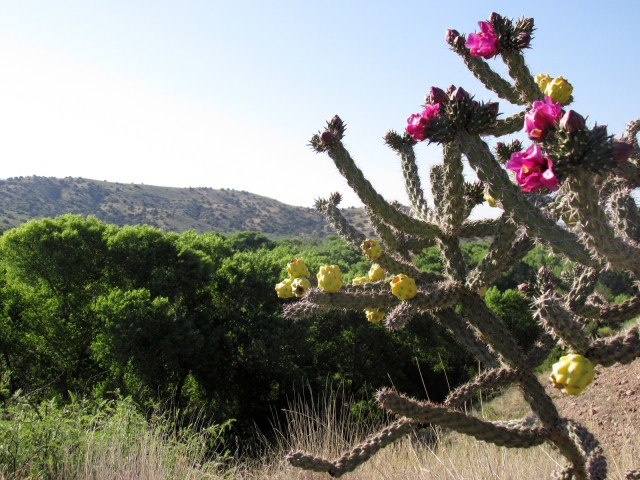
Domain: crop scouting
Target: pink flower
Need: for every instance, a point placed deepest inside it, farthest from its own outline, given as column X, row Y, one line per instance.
column 483, row 44
column 419, row 121
column 533, row 171
column 541, row 117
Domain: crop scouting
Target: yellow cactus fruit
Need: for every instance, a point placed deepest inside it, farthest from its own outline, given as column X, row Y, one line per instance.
column 403, row 287
column 559, row 90
column 360, row 280
column 374, row 315
column 371, row 249
column 543, row 79
column 297, row 269
column 329, row 278
column 376, row 273
column 283, row 289
column 572, row 373
column 300, row 286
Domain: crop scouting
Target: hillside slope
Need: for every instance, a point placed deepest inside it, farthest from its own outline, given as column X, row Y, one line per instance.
column 168, row 208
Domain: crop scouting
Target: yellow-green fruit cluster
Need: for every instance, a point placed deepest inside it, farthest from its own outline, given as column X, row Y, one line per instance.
column 374, row 315
column 329, row 278
column 376, row 273
column 371, row 248
column 403, row 287
column 558, row 89
column 297, row 284
column 297, row 269
column 572, row 373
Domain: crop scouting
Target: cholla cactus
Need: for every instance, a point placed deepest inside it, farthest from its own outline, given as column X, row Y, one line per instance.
column 568, row 189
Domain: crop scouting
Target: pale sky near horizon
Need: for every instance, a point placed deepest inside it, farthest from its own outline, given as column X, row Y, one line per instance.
column 226, row 94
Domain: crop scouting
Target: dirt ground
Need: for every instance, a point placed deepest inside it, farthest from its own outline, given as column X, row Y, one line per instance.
column 609, row 407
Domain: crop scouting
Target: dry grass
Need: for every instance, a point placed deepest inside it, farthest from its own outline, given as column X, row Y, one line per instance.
column 432, row 455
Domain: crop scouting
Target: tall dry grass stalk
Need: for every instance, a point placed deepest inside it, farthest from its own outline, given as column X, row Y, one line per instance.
column 326, row 429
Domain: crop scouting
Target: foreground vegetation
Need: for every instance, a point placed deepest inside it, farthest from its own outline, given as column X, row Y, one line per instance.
column 119, row 342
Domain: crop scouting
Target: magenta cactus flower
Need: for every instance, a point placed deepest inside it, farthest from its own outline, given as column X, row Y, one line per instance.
column 483, row 44
column 533, row 170
column 419, row 121
column 542, row 117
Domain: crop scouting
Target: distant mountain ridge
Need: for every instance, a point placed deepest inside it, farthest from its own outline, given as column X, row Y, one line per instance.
column 168, row 208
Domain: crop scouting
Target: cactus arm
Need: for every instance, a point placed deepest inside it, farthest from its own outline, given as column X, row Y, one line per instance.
column 473, row 195
column 368, row 195
column 329, row 208
column 428, row 412
column 597, row 232
column 496, row 259
column 524, row 213
column 493, row 329
column 523, row 80
column 540, row 351
column 430, row 297
column 479, row 228
column 453, row 185
column 507, row 126
column 454, row 265
column 301, row 308
column 483, row 72
column 494, row 379
column 625, row 216
column 357, row 455
column 623, row 348
column 582, row 286
column 560, row 322
column 465, row 335
column 621, row 312
column 403, row 146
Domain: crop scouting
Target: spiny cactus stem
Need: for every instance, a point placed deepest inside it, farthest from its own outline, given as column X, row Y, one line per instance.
column 563, row 323
column 494, row 379
column 497, row 258
column 451, row 254
column 623, row 348
column 368, row 195
column 464, row 334
column 493, row 329
column 494, row 82
column 486, row 227
column 621, row 312
column 524, row 213
column 453, row 189
column 428, row 412
column 625, row 215
column 546, row 411
column 412, row 183
column 508, row 126
column 524, row 82
column 430, row 297
column 340, row 224
column 357, row 455
column 583, row 285
column 598, row 232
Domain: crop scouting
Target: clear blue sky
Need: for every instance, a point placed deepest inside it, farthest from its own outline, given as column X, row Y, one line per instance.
column 226, row 94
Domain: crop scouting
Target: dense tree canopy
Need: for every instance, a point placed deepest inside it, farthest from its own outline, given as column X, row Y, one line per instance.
column 94, row 309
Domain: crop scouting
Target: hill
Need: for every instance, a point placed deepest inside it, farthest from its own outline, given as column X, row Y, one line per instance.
column 168, row 208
